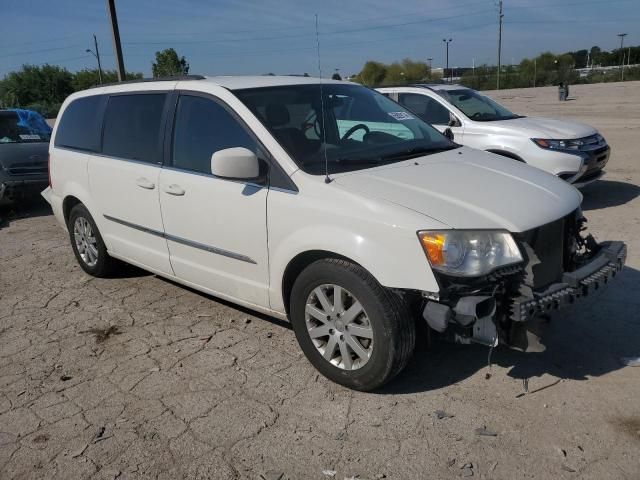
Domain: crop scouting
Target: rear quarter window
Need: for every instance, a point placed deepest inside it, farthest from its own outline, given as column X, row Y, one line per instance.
column 79, row 127
column 132, row 125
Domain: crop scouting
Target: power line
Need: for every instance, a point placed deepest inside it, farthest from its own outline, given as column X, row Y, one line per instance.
column 335, row 32
column 44, row 50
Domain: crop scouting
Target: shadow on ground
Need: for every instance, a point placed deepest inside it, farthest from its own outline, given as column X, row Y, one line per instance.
column 31, row 207
column 585, row 341
column 608, row 193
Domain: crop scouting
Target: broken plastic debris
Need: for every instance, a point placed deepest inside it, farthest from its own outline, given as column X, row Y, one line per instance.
column 484, row 432
column 272, row 475
column 467, row 470
column 329, row 473
column 440, row 414
column 630, row 361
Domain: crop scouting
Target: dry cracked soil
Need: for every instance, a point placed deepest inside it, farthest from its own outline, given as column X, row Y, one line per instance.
column 135, row 377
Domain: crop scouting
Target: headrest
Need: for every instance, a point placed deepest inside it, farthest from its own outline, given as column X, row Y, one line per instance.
column 277, row 115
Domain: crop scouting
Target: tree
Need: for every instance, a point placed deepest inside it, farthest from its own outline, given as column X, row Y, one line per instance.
column 336, row 76
column 415, row 72
column 45, row 86
column 88, row 78
column 372, row 73
column 168, row 64
column 595, row 54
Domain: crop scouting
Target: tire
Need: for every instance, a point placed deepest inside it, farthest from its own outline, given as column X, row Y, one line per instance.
column 384, row 317
column 96, row 260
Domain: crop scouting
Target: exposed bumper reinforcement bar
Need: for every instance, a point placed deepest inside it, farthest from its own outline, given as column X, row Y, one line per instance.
column 604, row 266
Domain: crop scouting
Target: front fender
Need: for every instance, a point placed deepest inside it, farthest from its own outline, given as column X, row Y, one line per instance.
column 380, row 236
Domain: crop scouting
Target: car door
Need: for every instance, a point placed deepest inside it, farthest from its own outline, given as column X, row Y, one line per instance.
column 215, row 228
column 433, row 112
column 124, row 178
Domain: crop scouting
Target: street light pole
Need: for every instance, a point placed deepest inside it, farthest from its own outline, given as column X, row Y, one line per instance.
column 500, row 17
column 622, row 35
column 97, row 55
column 117, row 48
column 447, row 42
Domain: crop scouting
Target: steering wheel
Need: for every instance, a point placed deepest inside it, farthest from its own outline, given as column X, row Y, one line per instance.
column 477, row 115
column 355, row 128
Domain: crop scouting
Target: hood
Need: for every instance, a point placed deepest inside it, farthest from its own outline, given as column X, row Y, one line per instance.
column 550, row 128
column 469, row 189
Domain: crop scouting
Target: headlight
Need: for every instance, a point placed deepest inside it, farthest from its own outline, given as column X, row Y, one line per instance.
column 558, row 144
column 469, row 253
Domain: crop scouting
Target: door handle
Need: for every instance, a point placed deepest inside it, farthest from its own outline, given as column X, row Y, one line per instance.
column 144, row 183
column 174, row 189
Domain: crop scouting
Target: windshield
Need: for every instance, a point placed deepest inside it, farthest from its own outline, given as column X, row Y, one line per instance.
column 23, row 126
column 361, row 127
column 476, row 106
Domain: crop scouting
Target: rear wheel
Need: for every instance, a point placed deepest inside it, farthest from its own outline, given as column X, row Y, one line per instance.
column 87, row 243
column 354, row 331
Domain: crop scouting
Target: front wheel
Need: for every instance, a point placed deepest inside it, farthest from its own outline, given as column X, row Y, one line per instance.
column 353, row 331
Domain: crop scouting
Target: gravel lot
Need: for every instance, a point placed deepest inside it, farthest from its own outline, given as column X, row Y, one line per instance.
column 137, row 377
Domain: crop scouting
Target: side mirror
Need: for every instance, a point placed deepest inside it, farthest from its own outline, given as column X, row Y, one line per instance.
column 448, row 133
column 236, row 163
column 453, row 121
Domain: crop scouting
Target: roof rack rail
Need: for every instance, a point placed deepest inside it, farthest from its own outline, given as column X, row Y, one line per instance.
column 173, row 78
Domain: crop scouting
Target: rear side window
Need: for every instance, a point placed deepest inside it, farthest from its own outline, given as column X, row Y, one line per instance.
column 132, row 127
column 428, row 109
column 203, row 127
column 79, row 126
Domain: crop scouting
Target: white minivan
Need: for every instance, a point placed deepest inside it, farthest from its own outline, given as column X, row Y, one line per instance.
column 325, row 203
column 573, row 151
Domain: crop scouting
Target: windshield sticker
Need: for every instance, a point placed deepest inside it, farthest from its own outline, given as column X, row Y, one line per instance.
column 401, row 116
column 24, row 136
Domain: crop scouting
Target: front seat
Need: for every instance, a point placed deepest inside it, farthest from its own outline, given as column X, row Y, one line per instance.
column 277, row 116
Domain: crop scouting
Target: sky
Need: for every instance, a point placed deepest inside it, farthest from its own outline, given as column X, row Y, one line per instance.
column 225, row 37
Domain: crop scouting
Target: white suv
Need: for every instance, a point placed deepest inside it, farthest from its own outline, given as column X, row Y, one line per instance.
column 327, row 204
column 573, row 151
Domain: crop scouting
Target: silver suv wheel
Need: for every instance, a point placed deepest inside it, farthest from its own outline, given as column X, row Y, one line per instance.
column 339, row 327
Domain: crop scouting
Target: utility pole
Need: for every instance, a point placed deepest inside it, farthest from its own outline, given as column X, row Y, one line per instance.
column 535, row 71
column 447, row 68
column 500, row 17
column 113, row 19
column 622, row 35
column 96, row 54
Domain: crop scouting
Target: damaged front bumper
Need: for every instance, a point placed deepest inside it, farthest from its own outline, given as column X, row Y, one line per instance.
column 505, row 310
column 603, row 267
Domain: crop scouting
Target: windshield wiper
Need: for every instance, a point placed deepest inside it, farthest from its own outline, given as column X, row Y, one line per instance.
column 417, row 152
column 393, row 157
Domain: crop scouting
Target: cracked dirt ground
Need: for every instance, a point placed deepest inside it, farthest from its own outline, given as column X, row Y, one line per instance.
column 185, row 386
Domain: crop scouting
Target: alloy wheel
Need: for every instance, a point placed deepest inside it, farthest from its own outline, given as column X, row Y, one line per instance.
column 85, row 241
column 339, row 327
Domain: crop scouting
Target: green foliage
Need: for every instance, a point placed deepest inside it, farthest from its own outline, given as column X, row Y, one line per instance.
column 45, row 85
column 44, row 88
column 406, row 71
column 168, row 64
column 372, row 73
column 88, row 78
